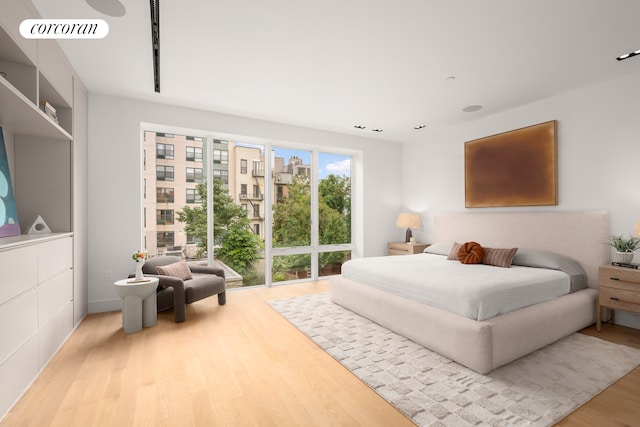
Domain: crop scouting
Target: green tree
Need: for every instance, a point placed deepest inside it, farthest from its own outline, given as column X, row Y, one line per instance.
column 239, row 247
column 292, row 221
column 335, row 192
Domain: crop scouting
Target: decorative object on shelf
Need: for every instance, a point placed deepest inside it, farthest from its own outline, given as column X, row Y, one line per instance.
column 625, row 247
column 49, row 110
column 139, row 257
column 8, row 212
column 408, row 220
column 38, row 226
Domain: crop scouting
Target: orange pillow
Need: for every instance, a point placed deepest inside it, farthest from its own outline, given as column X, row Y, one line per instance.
column 471, row 253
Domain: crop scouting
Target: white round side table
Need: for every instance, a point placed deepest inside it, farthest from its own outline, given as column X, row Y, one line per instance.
column 139, row 307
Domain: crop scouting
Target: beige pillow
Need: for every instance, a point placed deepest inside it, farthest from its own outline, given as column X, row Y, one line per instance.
column 499, row 257
column 453, row 253
column 177, row 269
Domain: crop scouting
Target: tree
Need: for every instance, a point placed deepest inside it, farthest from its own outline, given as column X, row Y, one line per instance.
column 239, row 247
column 292, row 220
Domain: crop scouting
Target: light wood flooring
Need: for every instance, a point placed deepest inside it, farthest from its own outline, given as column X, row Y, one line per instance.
column 241, row 364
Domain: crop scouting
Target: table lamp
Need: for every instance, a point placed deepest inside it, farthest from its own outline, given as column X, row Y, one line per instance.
column 408, row 221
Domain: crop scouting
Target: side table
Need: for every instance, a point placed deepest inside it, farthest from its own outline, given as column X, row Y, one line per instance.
column 402, row 248
column 619, row 290
column 139, row 306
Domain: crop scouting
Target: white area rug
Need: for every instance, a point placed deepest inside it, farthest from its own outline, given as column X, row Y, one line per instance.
column 536, row 390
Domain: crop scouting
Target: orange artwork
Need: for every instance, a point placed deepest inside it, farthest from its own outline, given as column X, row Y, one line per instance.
column 515, row 168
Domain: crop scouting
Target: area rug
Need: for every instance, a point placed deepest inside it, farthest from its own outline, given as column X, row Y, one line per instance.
column 536, row 390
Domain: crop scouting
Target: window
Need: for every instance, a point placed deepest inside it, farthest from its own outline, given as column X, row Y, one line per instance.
column 194, row 174
column 220, row 157
column 193, row 196
column 295, row 205
column 164, row 173
column 164, row 217
column 164, row 195
column 222, row 175
column 194, row 154
column 165, row 239
column 164, row 151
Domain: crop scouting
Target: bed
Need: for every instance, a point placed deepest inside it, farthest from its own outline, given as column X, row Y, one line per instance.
column 493, row 340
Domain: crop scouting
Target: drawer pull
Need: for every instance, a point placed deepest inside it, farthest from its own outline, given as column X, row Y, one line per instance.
column 623, row 300
column 613, row 278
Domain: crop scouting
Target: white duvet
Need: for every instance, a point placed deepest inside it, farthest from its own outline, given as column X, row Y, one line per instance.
column 476, row 291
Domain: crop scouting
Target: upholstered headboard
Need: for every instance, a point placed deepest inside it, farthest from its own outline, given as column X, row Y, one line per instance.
column 582, row 235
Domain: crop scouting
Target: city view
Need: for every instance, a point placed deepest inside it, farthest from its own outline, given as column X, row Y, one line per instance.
column 260, row 206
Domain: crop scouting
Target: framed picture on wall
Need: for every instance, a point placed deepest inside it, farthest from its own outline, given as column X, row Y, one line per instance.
column 515, row 168
column 8, row 213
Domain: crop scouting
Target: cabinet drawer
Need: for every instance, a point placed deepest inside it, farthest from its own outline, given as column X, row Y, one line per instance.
column 620, row 298
column 397, row 252
column 17, row 372
column 19, row 272
column 619, row 277
column 54, row 294
column 22, row 314
column 54, row 257
column 400, row 246
column 53, row 334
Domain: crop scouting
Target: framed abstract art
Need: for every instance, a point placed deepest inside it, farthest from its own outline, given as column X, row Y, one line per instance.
column 8, row 213
column 515, row 168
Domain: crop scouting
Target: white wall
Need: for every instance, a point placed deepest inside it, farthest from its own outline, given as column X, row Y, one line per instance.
column 115, row 226
column 598, row 157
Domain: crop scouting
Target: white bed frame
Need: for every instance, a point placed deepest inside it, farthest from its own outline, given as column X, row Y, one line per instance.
column 486, row 345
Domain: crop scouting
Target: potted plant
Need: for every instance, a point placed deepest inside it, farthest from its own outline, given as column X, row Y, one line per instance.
column 625, row 247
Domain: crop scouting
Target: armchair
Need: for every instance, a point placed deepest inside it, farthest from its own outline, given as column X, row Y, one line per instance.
column 177, row 292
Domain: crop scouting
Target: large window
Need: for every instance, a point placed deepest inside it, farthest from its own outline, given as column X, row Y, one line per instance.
column 270, row 213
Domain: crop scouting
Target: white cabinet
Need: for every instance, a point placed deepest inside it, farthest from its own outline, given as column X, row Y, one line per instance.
column 36, row 308
column 41, row 295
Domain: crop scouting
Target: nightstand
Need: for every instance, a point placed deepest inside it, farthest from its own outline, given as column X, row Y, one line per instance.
column 619, row 290
column 402, row 248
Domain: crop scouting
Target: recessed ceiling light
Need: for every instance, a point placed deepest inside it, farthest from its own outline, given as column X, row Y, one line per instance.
column 376, row 130
column 472, row 108
column 360, row 127
column 420, row 127
column 628, row 55
column 108, row 7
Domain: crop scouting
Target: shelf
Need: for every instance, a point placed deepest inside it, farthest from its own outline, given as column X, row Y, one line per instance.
column 26, row 239
column 21, row 116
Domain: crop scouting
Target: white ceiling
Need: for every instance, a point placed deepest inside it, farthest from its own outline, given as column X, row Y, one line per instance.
column 332, row 64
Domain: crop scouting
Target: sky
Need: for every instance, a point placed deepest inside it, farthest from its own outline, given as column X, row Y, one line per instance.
column 336, row 164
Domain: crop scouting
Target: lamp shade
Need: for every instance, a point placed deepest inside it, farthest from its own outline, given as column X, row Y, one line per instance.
column 408, row 220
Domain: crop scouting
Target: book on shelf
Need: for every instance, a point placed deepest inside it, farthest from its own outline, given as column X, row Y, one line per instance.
column 49, row 110
column 626, row 264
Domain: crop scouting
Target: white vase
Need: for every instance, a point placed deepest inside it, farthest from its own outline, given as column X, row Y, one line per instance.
column 139, row 275
column 624, row 257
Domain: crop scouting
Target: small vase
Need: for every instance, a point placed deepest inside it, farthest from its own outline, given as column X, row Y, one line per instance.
column 624, row 257
column 139, row 275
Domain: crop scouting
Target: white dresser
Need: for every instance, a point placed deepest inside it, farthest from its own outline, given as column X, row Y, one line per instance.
column 36, row 308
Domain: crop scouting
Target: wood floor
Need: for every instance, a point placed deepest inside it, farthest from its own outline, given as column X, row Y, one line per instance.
column 241, row 364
